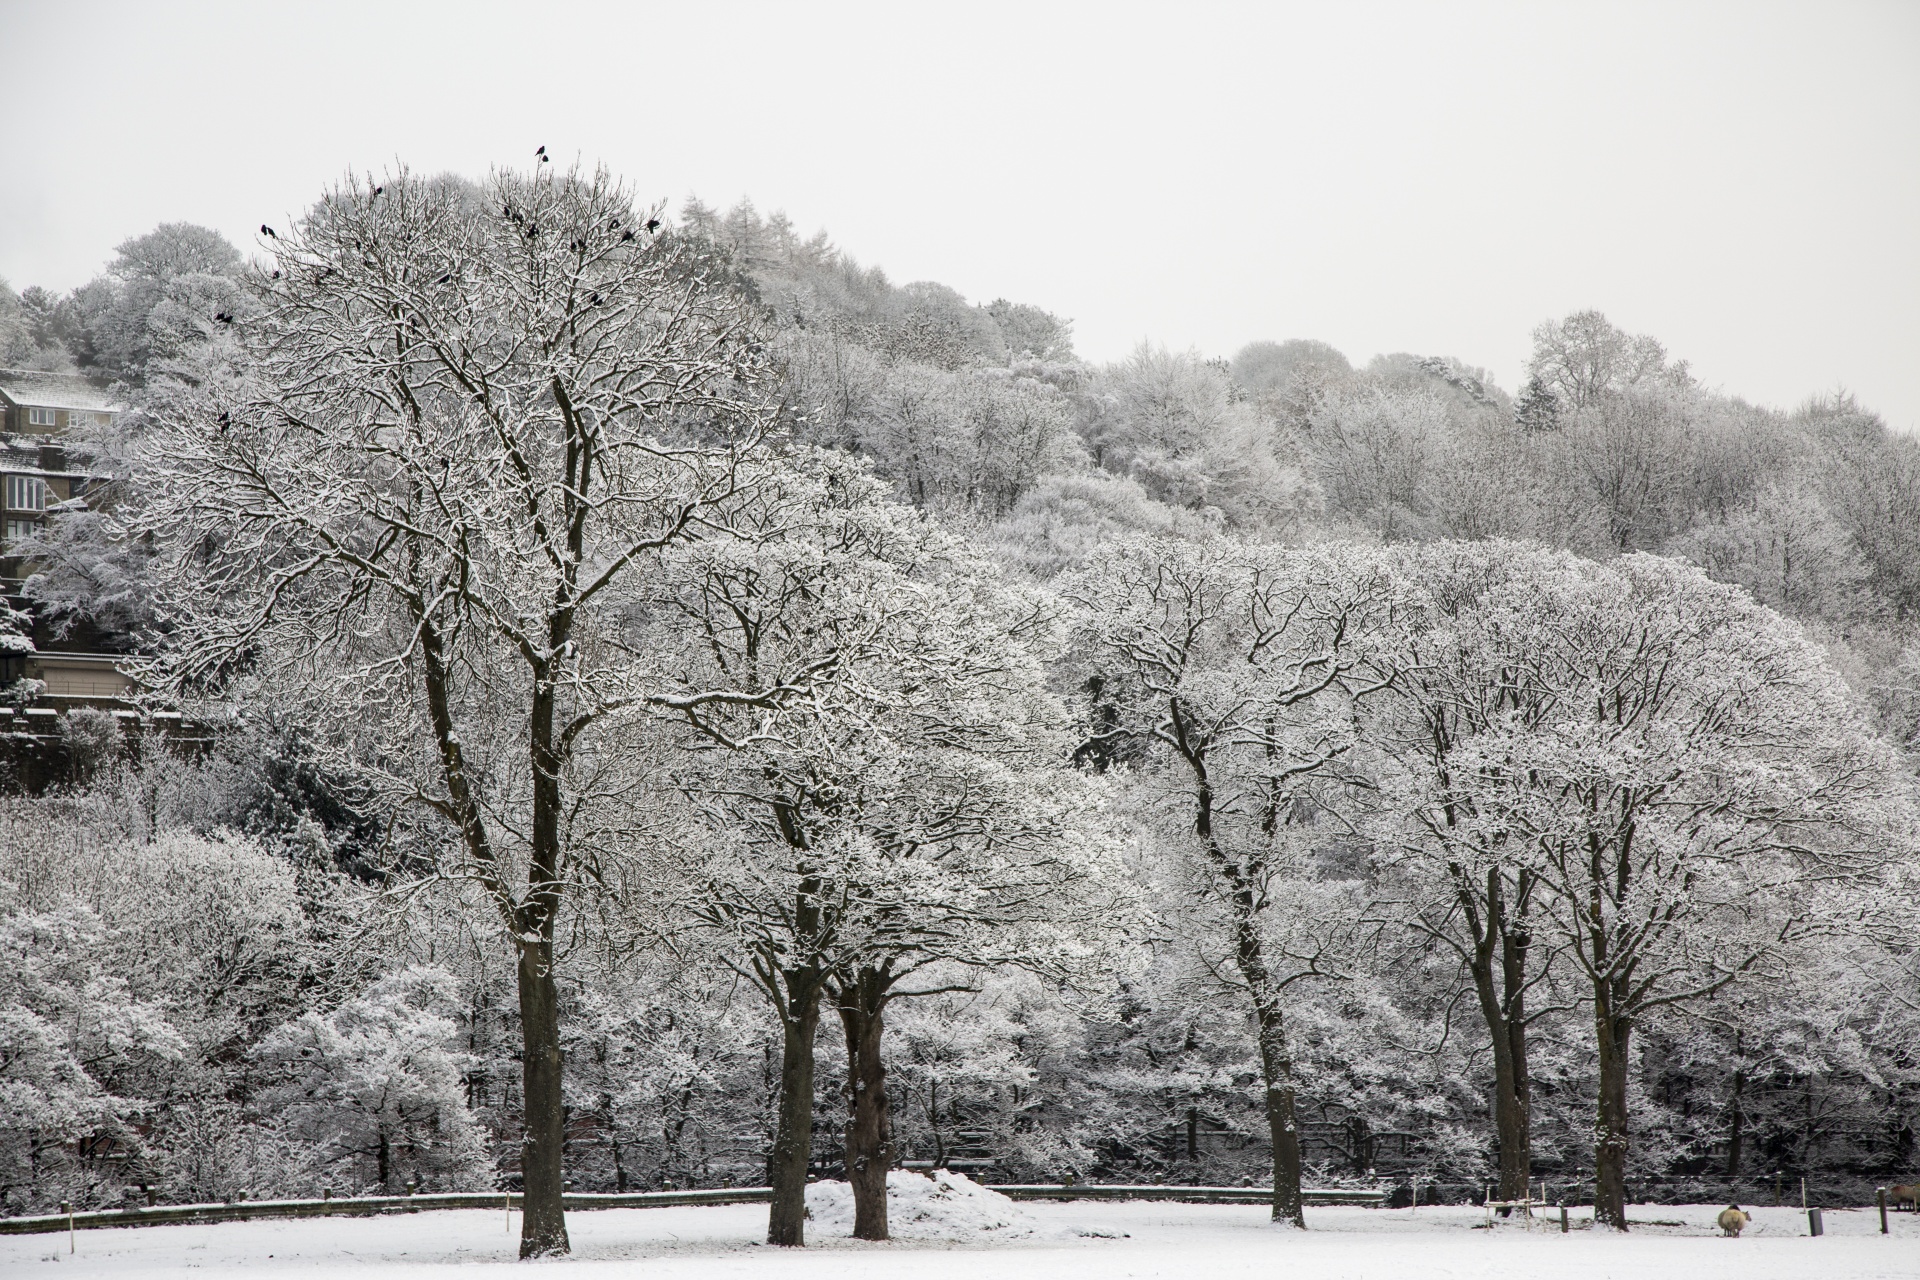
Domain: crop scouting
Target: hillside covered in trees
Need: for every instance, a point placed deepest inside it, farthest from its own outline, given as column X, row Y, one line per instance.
column 678, row 707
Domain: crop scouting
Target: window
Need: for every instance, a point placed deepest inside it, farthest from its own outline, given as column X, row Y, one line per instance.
column 26, row 493
column 39, row 417
column 16, row 529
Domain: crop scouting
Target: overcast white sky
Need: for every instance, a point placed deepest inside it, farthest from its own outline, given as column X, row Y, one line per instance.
column 1740, row 180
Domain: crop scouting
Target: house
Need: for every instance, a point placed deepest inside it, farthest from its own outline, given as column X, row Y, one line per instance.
column 39, row 414
column 51, row 404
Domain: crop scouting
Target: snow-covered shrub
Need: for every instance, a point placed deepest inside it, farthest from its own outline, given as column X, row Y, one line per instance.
column 93, row 739
column 63, row 1025
column 376, row 1086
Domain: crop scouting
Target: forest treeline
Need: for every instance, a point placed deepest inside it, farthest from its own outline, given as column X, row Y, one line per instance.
column 634, row 653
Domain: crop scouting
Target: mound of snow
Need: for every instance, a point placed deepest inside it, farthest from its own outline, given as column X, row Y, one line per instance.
column 944, row 1206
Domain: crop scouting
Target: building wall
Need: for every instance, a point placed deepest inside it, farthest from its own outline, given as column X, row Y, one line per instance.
column 81, row 677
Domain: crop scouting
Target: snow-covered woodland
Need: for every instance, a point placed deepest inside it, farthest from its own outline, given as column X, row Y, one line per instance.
column 661, row 705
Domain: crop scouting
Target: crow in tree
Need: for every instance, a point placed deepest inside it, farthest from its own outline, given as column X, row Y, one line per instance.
column 267, row 231
column 653, row 225
column 542, row 153
column 223, row 317
column 376, row 191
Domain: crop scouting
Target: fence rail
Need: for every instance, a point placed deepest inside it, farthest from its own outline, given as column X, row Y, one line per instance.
column 1189, row 1195
column 370, row 1206
column 362, row 1207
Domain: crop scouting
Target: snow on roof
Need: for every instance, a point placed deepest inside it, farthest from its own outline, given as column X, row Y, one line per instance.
column 55, row 391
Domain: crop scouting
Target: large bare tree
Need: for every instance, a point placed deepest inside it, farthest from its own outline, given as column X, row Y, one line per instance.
column 1678, row 773
column 1227, row 679
column 410, row 497
column 883, row 784
column 1467, row 882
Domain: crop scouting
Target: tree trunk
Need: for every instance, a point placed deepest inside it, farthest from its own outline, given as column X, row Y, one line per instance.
column 1501, row 988
column 1276, row 1067
column 869, row 1119
column 1610, row 1129
column 1735, row 1132
column 1243, row 898
column 1515, row 1100
column 543, row 1225
column 933, row 1124
column 793, row 1135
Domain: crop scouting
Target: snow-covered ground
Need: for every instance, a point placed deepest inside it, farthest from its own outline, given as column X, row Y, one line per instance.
column 1075, row 1242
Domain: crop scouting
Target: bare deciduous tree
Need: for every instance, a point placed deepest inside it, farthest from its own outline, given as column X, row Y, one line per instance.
column 883, row 784
column 1232, row 674
column 1682, row 772
column 409, row 500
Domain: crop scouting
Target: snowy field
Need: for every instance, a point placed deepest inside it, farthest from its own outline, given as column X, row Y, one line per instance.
column 1049, row 1242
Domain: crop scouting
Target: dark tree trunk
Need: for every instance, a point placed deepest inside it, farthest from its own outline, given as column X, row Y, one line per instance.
column 1242, row 894
column 933, row 1125
column 543, row 1230
column 1613, row 1031
column 1276, row 1067
column 530, row 922
column 1736, row 1130
column 862, row 1006
column 1516, row 1102
column 1498, row 963
column 793, row 1134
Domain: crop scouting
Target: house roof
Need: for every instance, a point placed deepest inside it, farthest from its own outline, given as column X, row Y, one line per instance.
column 55, row 391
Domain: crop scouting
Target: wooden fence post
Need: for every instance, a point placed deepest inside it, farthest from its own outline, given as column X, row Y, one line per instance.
column 1880, row 1194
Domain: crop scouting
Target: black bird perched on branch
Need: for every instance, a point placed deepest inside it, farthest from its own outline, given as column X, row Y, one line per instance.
column 224, row 317
column 376, row 191
column 267, row 231
column 653, row 225
column 626, row 235
column 542, row 153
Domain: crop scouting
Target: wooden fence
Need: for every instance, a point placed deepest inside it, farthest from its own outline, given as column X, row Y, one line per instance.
column 364, row 1206
column 369, row 1206
column 1187, row 1195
